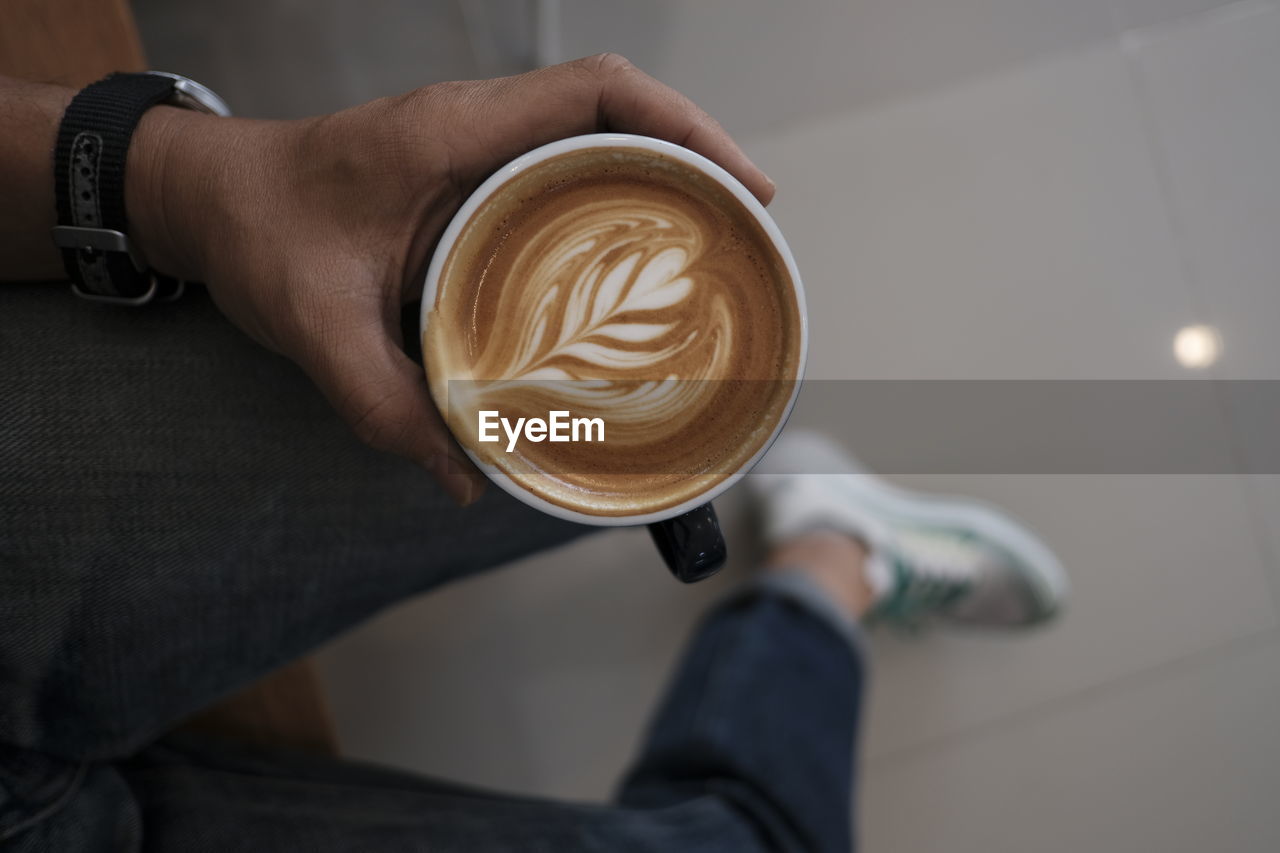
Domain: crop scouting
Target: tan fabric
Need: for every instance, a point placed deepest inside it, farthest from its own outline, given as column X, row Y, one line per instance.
column 72, row 42
column 285, row 709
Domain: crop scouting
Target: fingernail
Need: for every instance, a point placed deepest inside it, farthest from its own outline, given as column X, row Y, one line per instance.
column 463, row 486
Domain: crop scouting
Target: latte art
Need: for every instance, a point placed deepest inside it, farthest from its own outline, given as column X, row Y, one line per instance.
column 627, row 286
column 609, row 295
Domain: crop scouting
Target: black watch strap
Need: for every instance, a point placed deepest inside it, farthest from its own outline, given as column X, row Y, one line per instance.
column 89, row 180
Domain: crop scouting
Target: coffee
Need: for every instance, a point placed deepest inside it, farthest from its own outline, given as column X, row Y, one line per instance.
column 617, row 285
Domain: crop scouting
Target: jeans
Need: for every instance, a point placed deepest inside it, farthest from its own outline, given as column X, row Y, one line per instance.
column 181, row 512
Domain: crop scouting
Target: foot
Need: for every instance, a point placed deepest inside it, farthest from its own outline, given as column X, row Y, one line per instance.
column 953, row 557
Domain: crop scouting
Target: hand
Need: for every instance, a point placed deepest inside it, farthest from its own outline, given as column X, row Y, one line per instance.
column 311, row 235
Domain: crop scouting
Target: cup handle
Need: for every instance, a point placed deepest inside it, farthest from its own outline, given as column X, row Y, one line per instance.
column 691, row 545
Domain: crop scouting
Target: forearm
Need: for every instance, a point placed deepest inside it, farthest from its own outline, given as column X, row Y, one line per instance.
column 29, row 116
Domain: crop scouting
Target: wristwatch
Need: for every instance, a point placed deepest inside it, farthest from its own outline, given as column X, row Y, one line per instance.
column 89, row 176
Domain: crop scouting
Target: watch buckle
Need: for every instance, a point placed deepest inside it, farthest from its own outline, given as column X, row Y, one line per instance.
column 141, row 299
column 179, row 288
column 106, row 240
column 97, row 240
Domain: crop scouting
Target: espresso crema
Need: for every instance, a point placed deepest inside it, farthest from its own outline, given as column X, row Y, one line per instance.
column 619, row 284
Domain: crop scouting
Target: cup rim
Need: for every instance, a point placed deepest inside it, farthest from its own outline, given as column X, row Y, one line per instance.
column 431, row 286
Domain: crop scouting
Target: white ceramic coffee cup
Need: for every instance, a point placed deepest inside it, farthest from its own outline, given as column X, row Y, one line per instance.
column 675, row 152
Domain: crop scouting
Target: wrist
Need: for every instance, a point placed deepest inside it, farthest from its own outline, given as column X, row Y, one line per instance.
column 165, row 177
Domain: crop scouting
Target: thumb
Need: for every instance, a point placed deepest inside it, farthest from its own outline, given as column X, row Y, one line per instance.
column 383, row 396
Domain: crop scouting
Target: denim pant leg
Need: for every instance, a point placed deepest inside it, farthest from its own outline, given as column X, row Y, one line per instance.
column 181, row 512
column 764, row 712
column 751, row 751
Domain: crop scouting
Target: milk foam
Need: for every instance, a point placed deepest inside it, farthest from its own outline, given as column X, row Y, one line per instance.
column 607, row 294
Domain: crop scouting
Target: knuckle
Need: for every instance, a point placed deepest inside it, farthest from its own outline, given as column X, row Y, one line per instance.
column 604, row 65
column 378, row 420
column 424, row 110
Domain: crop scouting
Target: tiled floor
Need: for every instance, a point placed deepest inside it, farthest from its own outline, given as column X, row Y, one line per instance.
column 975, row 189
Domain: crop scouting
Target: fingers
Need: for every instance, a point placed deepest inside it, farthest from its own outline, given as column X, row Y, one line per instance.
column 383, row 396
column 598, row 93
column 631, row 101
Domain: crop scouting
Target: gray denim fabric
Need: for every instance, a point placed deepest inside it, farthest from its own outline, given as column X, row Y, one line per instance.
column 142, row 453
column 181, row 512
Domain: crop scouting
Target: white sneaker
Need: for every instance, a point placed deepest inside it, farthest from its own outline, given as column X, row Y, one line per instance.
column 958, row 558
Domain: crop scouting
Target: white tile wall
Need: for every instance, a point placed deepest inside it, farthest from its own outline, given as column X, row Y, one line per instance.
column 1180, row 760
column 1210, row 85
column 1008, row 227
column 760, row 63
column 1162, row 568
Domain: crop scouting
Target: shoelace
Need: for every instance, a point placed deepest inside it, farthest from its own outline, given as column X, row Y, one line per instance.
column 931, row 570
